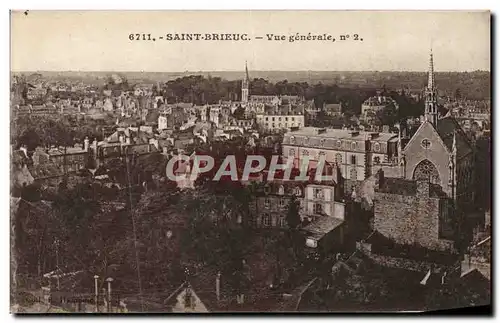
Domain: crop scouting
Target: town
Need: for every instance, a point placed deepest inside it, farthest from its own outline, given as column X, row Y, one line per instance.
column 405, row 199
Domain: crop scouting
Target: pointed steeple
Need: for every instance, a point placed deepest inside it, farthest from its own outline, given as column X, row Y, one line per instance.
column 247, row 78
column 431, row 106
column 431, row 81
column 245, row 85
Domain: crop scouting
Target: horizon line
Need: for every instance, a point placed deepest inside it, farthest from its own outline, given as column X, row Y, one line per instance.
column 242, row 71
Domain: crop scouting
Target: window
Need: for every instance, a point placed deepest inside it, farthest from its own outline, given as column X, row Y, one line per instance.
column 267, row 203
column 279, row 125
column 279, row 119
column 426, row 170
column 376, row 147
column 291, row 152
column 353, row 159
column 267, row 118
column 353, row 174
column 338, row 159
column 318, row 208
column 322, row 142
column 298, row 191
column 293, row 118
column 339, row 143
column 282, row 222
column 273, row 118
column 281, row 202
column 292, row 140
column 266, row 220
column 305, row 152
column 281, row 190
column 318, row 193
column 286, row 118
column 353, row 146
column 376, row 160
column 426, row 143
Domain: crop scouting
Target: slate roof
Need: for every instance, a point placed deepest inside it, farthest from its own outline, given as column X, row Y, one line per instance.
column 445, row 128
column 319, row 228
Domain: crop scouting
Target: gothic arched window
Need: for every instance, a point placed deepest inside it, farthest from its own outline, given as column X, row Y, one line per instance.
column 354, row 174
column 338, row 159
column 427, row 171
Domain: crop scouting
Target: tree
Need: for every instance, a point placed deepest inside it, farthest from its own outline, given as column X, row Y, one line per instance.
column 388, row 115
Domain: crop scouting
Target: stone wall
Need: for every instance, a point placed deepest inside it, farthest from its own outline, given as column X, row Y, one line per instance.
column 409, row 220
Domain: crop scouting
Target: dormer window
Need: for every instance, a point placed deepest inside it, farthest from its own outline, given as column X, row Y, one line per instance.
column 292, row 139
column 298, row 191
column 281, row 190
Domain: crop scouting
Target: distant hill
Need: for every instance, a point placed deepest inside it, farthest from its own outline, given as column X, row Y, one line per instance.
column 473, row 85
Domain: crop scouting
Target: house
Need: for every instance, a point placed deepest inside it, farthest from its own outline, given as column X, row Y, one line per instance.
column 185, row 300
column 332, row 109
column 325, row 234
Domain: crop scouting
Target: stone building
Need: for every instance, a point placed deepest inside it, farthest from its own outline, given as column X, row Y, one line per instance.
column 414, row 212
column 317, row 199
column 358, row 154
column 440, row 152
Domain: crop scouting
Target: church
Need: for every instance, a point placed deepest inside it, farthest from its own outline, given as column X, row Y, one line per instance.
column 425, row 205
column 440, row 152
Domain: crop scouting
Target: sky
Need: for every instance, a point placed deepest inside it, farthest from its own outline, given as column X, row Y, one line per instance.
column 392, row 41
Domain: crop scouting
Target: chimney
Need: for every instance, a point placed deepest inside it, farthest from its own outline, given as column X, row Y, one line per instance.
column 381, row 178
column 423, row 188
column 86, row 144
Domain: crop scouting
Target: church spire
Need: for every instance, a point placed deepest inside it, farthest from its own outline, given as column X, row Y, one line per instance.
column 431, row 80
column 244, row 85
column 247, row 78
column 431, row 108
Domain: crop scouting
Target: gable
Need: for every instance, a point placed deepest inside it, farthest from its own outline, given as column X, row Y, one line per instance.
column 436, row 152
column 426, row 131
column 181, row 306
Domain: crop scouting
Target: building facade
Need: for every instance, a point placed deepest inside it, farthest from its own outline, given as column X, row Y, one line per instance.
column 357, row 154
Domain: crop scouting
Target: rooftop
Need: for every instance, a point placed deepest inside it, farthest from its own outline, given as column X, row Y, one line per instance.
column 319, row 228
column 340, row 134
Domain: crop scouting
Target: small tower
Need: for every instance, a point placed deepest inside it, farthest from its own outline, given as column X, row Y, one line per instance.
column 431, row 109
column 244, row 86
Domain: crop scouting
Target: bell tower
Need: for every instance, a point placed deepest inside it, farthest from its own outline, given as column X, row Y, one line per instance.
column 244, row 86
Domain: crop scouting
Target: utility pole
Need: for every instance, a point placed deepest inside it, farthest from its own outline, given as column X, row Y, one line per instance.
column 96, row 296
column 109, row 280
